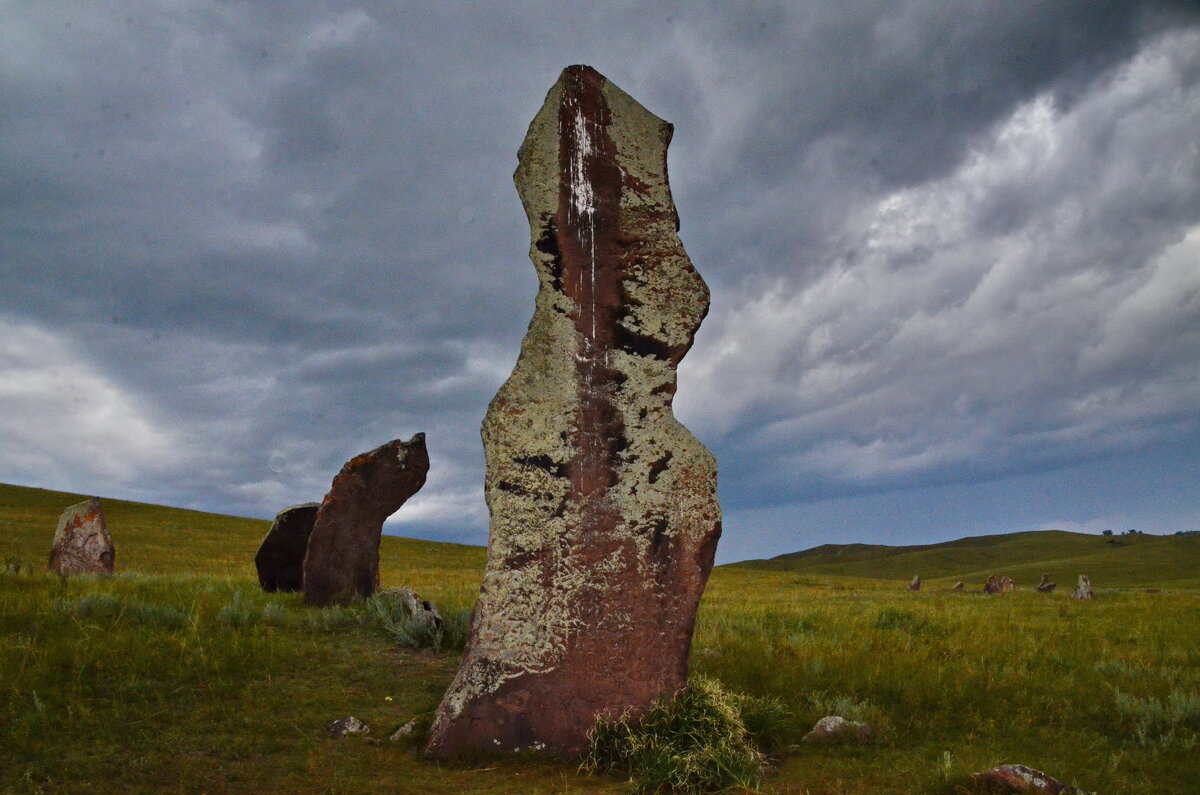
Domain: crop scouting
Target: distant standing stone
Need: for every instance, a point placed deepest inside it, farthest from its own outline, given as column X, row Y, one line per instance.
column 992, row 585
column 1006, row 583
column 1045, row 586
column 915, row 585
column 1083, row 589
column 280, row 558
column 958, row 586
column 82, row 544
column 342, row 563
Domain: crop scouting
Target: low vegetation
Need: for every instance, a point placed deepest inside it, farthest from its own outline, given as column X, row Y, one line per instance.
column 180, row 674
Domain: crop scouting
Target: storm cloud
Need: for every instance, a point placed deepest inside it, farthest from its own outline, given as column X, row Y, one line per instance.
column 952, row 251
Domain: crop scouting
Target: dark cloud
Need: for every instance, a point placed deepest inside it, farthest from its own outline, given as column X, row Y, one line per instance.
column 944, row 246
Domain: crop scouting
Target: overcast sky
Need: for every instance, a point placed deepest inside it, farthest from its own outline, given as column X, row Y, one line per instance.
column 954, row 250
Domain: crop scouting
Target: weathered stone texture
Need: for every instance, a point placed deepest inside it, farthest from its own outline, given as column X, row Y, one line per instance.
column 82, row 544
column 342, row 562
column 280, row 557
column 992, row 585
column 1045, row 586
column 915, row 585
column 1083, row 588
column 604, row 518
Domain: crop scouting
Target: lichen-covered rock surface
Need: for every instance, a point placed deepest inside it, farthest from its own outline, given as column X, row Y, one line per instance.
column 342, row 561
column 82, row 544
column 604, row 518
column 280, row 558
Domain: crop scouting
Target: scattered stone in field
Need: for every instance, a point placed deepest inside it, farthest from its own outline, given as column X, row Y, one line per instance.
column 1019, row 778
column 915, row 585
column 343, row 727
column 1006, row 584
column 992, row 585
column 342, row 562
column 423, row 611
column 604, row 516
column 1045, row 586
column 835, row 727
column 407, row 730
column 82, row 544
column 958, row 586
column 707, row 653
column 280, row 557
column 1083, row 589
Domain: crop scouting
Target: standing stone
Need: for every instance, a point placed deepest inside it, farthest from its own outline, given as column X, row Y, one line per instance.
column 915, row 585
column 342, row 563
column 1083, row 589
column 992, row 585
column 82, row 544
column 604, row 517
column 958, row 586
column 1006, row 583
column 280, row 558
column 1045, row 586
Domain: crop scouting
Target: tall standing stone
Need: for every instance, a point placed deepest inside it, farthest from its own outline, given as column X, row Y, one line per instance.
column 280, row 557
column 342, row 562
column 82, row 544
column 1083, row 588
column 604, row 518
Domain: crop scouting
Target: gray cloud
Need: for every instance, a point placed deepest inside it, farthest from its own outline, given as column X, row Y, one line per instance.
column 267, row 236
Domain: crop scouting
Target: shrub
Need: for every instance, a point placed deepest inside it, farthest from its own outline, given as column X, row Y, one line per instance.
column 695, row 741
column 1175, row 719
column 392, row 613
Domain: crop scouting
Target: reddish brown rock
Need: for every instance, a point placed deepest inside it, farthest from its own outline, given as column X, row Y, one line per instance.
column 1045, row 586
column 915, row 585
column 604, row 518
column 82, row 544
column 1006, row 583
column 280, row 557
column 992, row 585
column 1019, row 778
column 342, row 562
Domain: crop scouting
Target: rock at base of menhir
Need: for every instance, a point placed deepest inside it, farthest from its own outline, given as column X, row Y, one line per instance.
column 604, row 516
column 1045, row 586
column 1006, row 584
column 422, row 611
column 1083, row 589
column 342, row 562
column 835, row 728
column 992, row 585
column 82, row 544
column 1019, row 778
column 915, row 585
column 958, row 586
column 280, row 557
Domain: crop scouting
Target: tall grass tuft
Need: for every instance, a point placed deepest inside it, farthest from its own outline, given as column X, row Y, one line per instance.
column 695, row 741
column 1160, row 724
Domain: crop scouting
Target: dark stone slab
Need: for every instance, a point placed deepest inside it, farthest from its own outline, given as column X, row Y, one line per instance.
column 280, row 557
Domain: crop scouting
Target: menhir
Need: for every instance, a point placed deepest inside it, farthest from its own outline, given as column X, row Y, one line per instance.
column 342, row 561
column 82, row 544
column 604, row 517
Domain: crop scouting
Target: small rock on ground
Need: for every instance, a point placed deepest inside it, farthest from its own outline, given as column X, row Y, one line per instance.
column 343, row 727
column 407, row 730
column 1019, row 778
column 835, row 727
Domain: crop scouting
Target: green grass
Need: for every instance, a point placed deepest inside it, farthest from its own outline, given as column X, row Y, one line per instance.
column 178, row 674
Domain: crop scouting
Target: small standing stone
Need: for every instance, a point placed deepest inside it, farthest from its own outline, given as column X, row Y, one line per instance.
column 992, row 585
column 280, row 558
column 342, row 562
column 407, row 730
column 82, row 544
column 1083, row 589
column 1006, row 583
column 1045, row 586
column 915, row 585
column 958, row 586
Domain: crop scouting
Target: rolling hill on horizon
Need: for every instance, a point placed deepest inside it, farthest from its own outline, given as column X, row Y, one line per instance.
column 1135, row 560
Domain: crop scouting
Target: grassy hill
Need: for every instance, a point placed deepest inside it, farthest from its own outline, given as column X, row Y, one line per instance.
column 1126, row 561
column 179, row 674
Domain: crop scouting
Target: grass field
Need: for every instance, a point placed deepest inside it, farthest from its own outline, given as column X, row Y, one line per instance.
column 178, row 674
